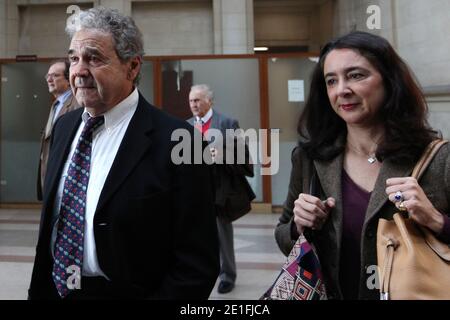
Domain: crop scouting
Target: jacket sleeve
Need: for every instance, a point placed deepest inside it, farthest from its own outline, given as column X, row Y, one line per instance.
column 285, row 231
column 444, row 235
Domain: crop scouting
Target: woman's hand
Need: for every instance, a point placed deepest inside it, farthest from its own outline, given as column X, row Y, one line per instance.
column 311, row 212
column 419, row 207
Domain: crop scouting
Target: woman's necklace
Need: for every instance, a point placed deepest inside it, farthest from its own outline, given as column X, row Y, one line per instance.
column 371, row 157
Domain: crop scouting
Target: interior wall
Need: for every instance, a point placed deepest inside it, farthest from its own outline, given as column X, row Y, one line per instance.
column 293, row 23
column 175, row 28
column 41, row 30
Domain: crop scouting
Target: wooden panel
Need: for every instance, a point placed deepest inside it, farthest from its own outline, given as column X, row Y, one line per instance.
column 157, row 83
column 264, row 116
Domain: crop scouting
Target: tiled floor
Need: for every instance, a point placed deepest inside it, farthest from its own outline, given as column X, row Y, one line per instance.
column 258, row 258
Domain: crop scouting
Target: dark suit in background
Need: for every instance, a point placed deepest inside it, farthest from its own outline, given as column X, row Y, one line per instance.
column 230, row 187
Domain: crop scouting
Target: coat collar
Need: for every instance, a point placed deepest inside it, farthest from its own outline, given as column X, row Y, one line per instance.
column 215, row 120
column 64, row 109
column 330, row 174
column 379, row 196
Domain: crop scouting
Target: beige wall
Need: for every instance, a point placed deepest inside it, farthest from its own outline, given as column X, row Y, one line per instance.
column 417, row 29
column 423, row 32
column 2, row 29
column 11, row 25
column 170, row 27
column 292, row 23
column 423, row 40
column 41, row 30
column 325, row 21
column 352, row 15
column 233, row 26
column 175, row 28
column 35, row 27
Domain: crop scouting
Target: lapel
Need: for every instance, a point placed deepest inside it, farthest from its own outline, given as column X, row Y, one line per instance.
column 66, row 105
column 61, row 148
column 215, row 120
column 64, row 109
column 49, row 125
column 379, row 197
column 134, row 145
column 329, row 173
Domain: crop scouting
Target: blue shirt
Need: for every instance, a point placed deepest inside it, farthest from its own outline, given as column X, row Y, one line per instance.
column 61, row 100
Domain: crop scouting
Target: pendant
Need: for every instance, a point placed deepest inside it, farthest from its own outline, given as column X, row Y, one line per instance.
column 372, row 160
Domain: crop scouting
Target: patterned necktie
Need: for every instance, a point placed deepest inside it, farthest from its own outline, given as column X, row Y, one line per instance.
column 70, row 236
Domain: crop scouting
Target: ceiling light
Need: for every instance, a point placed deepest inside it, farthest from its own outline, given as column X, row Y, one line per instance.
column 260, row 48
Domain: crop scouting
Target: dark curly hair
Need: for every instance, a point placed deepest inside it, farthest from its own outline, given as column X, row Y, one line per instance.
column 404, row 113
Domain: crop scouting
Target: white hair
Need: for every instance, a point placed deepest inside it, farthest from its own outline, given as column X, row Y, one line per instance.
column 205, row 89
column 128, row 41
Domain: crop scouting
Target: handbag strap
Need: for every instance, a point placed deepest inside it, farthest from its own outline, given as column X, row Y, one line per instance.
column 441, row 249
column 426, row 158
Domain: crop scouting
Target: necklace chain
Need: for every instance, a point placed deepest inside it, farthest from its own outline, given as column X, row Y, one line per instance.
column 371, row 157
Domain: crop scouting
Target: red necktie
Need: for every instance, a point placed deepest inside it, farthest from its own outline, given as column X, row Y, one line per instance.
column 199, row 125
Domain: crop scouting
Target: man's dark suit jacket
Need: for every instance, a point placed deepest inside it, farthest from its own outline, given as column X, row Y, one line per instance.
column 154, row 234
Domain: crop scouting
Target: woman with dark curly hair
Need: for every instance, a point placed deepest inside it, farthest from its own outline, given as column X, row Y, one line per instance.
column 363, row 129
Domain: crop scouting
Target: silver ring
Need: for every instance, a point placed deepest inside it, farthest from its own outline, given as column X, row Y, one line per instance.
column 398, row 196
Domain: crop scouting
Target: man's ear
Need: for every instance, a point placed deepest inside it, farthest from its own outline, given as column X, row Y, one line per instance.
column 135, row 66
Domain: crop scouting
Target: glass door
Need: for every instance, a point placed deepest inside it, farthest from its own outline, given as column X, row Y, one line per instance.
column 25, row 105
column 289, row 80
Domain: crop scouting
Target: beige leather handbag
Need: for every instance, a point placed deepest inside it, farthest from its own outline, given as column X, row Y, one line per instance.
column 414, row 264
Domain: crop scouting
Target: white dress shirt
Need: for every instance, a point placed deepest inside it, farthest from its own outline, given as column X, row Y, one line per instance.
column 207, row 116
column 105, row 143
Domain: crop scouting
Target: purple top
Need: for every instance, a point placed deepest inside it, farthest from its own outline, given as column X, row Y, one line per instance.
column 354, row 204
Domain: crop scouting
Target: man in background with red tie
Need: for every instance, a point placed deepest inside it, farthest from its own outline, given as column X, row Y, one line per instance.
column 57, row 79
column 232, row 191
